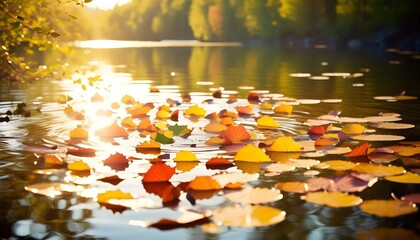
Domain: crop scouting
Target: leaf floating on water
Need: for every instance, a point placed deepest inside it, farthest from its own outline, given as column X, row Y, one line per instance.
column 267, row 122
column 284, row 144
column 204, row 183
column 382, row 155
column 78, row 166
column 393, row 125
column 185, row 156
column 333, row 199
column 251, row 153
column 378, row 137
column 248, row 216
column 215, row 127
column 252, row 195
column 112, row 131
column 339, row 165
column 117, row 194
column 117, row 161
column 353, row 128
column 187, row 219
column 235, row 134
column 79, row 133
column 180, row 130
column 128, row 122
column 159, row 172
column 127, row 99
column 163, row 136
column 150, row 145
column 146, row 125
column 196, row 111
column 84, row 152
column 407, row 177
column 388, row 208
column 283, row 108
column 295, row 186
column 218, row 163
column 378, row 170
column 359, row 151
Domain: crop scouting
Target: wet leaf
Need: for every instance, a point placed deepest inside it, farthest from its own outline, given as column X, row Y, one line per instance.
column 187, row 219
column 159, row 172
column 195, row 110
column 252, row 195
column 235, row 134
column 185, row 166
column 378, row 137
column 295, row 186
column 218, row 163
column 333, row 199
column 358, row 151
column 148, row 145
column 204, row 183
column 407, row 177
column 117, row 194
column 378, row 170
column 339, row 165
column 251, row 153
column 248, row 216
column 117, row 161
column 128, row 122
column 284, row 108
column 180, row 130
column 140, row 110
column 163, row 136
column 127, row 99
column 112, row 131
column 353, row 128
column 388, row 208
column 165, row 190
column 146, row 125
column 267, row 122
column 185, row 156
column 215, row 127
column 284, row 144
column 78, row 166
column 244, row 110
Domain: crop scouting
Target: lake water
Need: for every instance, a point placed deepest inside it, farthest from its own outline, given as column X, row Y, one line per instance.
column 321, row 80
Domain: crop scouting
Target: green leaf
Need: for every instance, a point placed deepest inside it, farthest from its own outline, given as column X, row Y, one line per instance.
column 20, row 18
column 72, row 17
column 54, row 34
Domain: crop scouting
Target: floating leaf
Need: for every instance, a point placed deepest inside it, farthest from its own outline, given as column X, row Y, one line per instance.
column 85, row 152
column 257, row 195
column 280, row 167
column 127, row 99
column 195, row 110
column 235, row 134
column 248, row 216
column 185, row 156
column 159, row 172
column 233, row 178
column 185, row 166
column 150, row 145
column 164, row 137
column 388, row 208
column 378, row 137
column 117, row 194
column 128, row 122
column 79, row 133
column 215, row 127
column 284, row 108
column 78, row 166
column 117, row 161
column 163, row 114
column 187, row 219
column 204, row 183
column 244, row 110
column 284, row 144
column 215, row 141
column 350, row 183
column 378, row 170
column 146, row 125
column 339, row 165
column 112, row 131
column 164, row 190
column 382, row 155
column 267, row 121
column 333, row 199
column 218, row 163
column 180, row 130
column 251, row 153
column 407, row 177
column 295, row 186
column 359, row 151
column 140, row 110
column 353, row 128
column 387, row 125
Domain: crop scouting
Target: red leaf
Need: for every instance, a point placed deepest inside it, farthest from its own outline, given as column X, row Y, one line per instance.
column 218, row 163
column 359, row 151
column 117, row 162
column 165, row 190
column 159, row 172
column 84, row 152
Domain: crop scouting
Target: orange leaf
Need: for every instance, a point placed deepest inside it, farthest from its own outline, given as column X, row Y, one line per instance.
column 214, row 127
column 148, row 145
column 159, row 172
column 117, row 161
column 112, row 131
column 244, row 110
column 118, row 194
column 79, row 133
column 78, row 166
column 218, row 163
column 284, row 108
column 85, row 152
column 214, row 141
column 204, row 183
column 145, row 124
column 128, row 122
column 359, row 151
column 165, row 190
column 235, row 134
column 185, row 156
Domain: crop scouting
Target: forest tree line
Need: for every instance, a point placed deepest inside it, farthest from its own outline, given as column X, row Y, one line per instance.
column 237, row 20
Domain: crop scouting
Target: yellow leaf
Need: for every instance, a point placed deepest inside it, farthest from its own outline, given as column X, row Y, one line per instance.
column 339, row 165
column 333, row 199
column 353, row 128
column 284, row 108
column 407, row 177
column 163, row 114
column 78, row 166
column 185, row 156
column 148, row 145
column 378, row 170
column 195, row 110
column 267, row 121
column 388, row 208
column 295, row 186
column 79, row 133
column 266, row 106
column 128, row 122
column 117, row 194
column 284, row 144
column 227, row 121
column 251, row 153
column 127, row 99
column 248, row 216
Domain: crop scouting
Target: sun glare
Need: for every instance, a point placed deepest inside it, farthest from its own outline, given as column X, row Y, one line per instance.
column 106, row 4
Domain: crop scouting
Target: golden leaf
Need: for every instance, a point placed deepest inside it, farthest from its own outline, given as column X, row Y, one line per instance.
column 214, row 127
column 117, row 194
column 407, row 177
column 78, row 166
column 252, row 195
column 353, row 128
column 339, row 165
column 79, row 133
column 378, row 170
column 333, row 199
column 267, row 121
column 204, row 183
column 284, row 144
column 284, row 108
column 248, row 216
column 195, row 110
column 251, row 153
column 185, row 156
column 388, row 208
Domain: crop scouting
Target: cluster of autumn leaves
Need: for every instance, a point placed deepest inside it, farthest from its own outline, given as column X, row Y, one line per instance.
column 272, row 154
